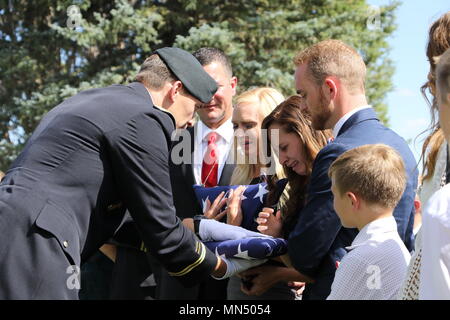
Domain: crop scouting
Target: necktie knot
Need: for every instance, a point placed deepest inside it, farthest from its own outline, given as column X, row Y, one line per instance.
column 211, row 137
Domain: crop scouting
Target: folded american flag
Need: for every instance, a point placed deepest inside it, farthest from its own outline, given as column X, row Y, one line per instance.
column 253, row 201
column 249, row 248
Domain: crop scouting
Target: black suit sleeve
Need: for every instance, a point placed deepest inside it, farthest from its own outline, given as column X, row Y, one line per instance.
column 140, row 159
column 318, row 224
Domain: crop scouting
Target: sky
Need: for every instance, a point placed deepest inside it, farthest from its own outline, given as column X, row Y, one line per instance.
column 408, row 112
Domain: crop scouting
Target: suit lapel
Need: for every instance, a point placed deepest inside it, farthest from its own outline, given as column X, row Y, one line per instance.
column 187, row 168
column 227, row 171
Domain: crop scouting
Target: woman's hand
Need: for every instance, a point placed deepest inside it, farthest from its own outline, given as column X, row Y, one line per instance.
column 270, row 224
column 212, row 210
column 234, row 211
column 261, row 279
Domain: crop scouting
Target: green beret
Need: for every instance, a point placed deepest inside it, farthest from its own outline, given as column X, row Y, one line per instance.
column 190, row 72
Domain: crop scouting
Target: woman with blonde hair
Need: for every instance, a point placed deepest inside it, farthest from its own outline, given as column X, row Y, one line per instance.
column 251, row 108
column 253, row 164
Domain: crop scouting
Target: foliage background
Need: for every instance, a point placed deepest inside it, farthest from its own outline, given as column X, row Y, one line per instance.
column 43, row 60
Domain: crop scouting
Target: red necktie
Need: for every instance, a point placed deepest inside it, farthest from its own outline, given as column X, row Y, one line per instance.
column 210, row 163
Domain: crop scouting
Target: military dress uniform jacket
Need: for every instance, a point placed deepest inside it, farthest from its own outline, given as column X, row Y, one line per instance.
column 132, row 264
column 92, row 157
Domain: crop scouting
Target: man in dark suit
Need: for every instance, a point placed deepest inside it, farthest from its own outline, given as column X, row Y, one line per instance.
column 92, row 157
column 132, row 269
column 330, row 78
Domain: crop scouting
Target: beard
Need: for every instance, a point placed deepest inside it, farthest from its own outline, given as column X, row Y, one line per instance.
column 320, row 119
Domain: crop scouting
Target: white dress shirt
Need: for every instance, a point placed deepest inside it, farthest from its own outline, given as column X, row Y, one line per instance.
column 341, row 121
column 375, row 266
column 225, row 139
column 435, row 268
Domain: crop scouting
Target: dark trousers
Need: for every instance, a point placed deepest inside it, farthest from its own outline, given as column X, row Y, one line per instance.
column 96, row 275
column 132, row 277
column 169, row 288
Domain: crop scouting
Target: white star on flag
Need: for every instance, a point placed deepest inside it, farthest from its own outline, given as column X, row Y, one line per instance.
column 242, row 254
column 204, row 203
column 261, row 192
column 220, row 255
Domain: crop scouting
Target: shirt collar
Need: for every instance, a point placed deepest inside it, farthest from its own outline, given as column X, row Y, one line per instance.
column 372, row 231
column 161, row 108
column 225, row 131
column 340, row 123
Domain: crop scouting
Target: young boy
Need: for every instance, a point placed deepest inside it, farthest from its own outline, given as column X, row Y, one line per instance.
column 367, row 183
column 435, row 267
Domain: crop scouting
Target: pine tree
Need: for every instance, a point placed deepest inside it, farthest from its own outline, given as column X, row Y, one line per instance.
column 50, row 50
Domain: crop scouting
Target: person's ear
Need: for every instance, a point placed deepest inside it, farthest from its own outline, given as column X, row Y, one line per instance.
column 175, row 90
column 330, row 88
column 233, row 84
column 353, row 199
column 417, row 204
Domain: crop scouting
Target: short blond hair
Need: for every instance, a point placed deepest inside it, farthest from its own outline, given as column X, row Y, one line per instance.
column 443, row 76
column 375, row 172
column 154, row 73
column 334, row 58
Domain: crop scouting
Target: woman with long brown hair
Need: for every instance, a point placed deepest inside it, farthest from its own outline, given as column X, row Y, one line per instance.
column 434, row 149
column 436, row 169
column 297, row 146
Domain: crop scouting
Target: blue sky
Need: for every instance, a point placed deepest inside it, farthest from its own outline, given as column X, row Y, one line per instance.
column 408, row 112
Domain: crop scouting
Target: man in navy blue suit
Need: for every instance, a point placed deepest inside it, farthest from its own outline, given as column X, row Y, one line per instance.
column 330, row 78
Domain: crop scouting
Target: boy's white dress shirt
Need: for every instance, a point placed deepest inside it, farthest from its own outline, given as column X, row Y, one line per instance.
column 374, row 267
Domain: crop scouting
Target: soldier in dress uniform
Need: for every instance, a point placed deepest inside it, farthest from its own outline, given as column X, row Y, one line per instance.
column 92, row 157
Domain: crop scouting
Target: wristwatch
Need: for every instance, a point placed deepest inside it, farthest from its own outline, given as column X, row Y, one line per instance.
column 197, row 219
